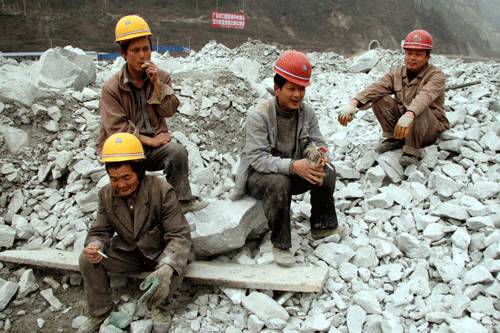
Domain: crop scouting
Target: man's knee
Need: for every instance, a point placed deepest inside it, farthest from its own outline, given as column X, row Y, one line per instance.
column 176, row 151
column 385, row 102
column 279, row 186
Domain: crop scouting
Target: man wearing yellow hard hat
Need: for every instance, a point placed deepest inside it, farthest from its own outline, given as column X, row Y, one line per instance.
column 137, row 100
column 139, row 228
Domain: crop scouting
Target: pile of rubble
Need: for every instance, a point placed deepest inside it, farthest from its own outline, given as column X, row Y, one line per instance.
column 423, row 254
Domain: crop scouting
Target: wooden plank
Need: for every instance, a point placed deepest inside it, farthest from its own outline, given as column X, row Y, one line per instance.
column 267, row 277
column 49, row 258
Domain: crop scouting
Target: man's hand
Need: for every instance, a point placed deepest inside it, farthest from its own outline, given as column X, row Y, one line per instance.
column 308, row 171
column 152, row 72
column 90, row 253
column 157, row 285
column 347, row 113
column 403, row 125
column 159, row 140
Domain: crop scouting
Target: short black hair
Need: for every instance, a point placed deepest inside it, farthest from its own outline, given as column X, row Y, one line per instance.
column 428, row 52
column 279, row 80
column 124, row 45
column 137, row 167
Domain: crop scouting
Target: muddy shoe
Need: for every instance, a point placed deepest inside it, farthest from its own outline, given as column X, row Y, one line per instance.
column 193, row 206
column 341, row 230
column 162, row 320
column 407, row 159
column 283, row 257
column 92, row 324
column 389, row 144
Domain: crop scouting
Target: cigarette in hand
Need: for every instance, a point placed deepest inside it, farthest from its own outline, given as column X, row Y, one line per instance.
column 146, row 64
column 102, row 254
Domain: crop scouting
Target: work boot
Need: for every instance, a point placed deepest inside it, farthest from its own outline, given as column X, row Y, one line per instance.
column 162, row 320
column 92, row 324
column 408, row 159
column 389, row 144
column 341, row 230
column 283, row 257
column 193, row 206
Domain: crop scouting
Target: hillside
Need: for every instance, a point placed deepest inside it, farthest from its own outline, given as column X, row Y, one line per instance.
column 345, row 27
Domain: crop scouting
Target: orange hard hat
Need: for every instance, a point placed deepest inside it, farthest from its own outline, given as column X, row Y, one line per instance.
column 294, row 67
column 418, row 39
column 130, row 27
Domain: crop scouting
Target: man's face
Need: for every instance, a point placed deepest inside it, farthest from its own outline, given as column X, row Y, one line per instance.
column 123, row 179
column 138, row 52
column 290, row 95
column 416, row 59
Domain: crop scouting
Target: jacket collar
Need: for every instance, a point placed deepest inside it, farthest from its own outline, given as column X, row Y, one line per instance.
column 141, row 208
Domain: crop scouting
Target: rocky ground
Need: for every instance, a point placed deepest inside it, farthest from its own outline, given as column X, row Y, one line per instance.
column 423, row 254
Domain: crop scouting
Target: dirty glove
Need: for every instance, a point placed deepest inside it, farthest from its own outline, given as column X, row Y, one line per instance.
column 403, row 126
column 157, row 285
column 347, row 114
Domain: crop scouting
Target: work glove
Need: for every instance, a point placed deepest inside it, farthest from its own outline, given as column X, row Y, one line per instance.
column 347, row 114
column 403, row 126
column 157, row 285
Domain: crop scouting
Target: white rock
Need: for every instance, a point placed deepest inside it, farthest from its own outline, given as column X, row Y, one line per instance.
column 368, row 301
column 356, row 317
column 465, row 325
column 334, row 254
column 264, row 307
column 478, row 274
column 225, row 225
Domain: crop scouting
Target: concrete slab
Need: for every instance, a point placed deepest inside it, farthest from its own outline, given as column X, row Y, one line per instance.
column 266, row 277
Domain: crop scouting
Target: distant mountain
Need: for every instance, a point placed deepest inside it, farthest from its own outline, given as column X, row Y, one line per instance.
column 476, row 22
column 343, row 26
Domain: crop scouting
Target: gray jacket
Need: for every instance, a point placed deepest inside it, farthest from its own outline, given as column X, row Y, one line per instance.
column 260, row 138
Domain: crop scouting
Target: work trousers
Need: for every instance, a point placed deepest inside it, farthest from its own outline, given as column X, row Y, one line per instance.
column 276, row 190
column 96, row 278
column 172, row 158
column 424, row 129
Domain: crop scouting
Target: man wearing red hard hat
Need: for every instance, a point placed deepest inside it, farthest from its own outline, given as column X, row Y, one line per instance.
column 415, row 116
column 285, row 154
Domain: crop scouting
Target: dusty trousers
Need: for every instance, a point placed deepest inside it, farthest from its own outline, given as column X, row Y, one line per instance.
column 96, row 278
column 276, row 190
column 424, row 129
column 172, row 158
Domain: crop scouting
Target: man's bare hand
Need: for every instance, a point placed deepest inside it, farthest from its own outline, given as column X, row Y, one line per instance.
column 151, row 71
column 308, row 171
column 160, row 140
column 91, row 254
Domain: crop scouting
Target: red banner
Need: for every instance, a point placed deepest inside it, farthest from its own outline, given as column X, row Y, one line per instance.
column 228, row 20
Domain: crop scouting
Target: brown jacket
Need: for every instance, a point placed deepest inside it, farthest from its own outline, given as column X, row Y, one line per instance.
column 425, row 91
column 159, row 229
column 117, row 106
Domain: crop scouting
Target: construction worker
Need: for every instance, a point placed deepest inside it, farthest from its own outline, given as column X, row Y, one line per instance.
column 137, row 100
column 415, row 116
column 275, row 163
column 139, row 228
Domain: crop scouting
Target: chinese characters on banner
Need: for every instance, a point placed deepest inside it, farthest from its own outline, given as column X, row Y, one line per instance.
column 228, row 20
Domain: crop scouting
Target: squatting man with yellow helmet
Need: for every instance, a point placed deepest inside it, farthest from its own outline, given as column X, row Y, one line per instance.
column 281, row 137
column 139, row 228
column 137, row 100
column 415, row 116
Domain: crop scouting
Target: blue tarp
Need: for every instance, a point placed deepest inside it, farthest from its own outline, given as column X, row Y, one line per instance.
column 111, row 56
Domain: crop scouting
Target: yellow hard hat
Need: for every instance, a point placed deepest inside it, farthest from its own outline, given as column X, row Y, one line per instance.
column 130, row 27
column 122, row 147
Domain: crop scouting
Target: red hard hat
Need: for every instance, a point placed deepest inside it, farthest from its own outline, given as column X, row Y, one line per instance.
column 294, row 67
column 418, row 39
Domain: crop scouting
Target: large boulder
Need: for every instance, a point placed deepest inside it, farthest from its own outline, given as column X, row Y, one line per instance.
column 225, row 225
column 66, row 68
